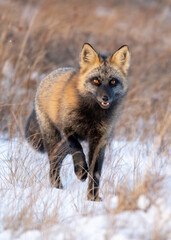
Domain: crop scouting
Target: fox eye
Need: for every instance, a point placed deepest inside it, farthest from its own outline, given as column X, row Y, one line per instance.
column 96, row 81
column 113, row 82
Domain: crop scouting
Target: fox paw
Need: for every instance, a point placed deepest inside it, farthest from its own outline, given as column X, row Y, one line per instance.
column 91, row 197
column 80, row 166
column 56, row 183
column 81, row 172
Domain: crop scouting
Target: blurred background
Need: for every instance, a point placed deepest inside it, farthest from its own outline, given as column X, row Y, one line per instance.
column 37, row 37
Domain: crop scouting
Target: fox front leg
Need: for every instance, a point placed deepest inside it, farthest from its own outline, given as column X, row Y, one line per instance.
column 96, row 157
column 80, row 165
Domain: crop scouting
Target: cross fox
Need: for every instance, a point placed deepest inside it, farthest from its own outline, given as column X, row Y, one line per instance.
column 72, row 105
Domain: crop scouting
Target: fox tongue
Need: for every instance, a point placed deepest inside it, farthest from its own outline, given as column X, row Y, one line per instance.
column 105, row 104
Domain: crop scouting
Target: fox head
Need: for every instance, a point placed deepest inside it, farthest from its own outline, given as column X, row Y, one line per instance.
column 103, row 79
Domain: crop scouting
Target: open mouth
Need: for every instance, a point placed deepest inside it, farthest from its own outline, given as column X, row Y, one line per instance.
column 104, row 104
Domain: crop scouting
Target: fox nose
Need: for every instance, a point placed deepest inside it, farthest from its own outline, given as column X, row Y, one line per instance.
column 105, row 98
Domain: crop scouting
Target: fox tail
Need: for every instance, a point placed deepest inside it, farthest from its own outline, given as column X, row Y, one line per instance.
column 33, row 134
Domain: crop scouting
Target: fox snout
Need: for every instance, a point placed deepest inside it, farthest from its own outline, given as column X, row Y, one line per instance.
column 104, row 101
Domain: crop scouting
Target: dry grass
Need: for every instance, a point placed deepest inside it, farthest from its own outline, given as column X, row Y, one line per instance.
column 36, row 38
column 49, row 35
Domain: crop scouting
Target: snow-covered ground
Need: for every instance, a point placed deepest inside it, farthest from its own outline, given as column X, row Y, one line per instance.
column 31, row 209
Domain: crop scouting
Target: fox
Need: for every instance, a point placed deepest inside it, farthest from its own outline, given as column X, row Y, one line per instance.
column 79, row 104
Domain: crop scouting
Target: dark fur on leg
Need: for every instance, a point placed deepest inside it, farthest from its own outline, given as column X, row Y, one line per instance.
column 96, row 157
column 56, row 158
column 80, row 165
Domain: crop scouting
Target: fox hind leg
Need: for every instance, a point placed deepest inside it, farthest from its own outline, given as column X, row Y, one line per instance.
column 56, row 159
column 56, row 148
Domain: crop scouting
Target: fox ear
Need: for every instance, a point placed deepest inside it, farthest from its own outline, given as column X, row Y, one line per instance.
column 88, row 56
column 122, row 58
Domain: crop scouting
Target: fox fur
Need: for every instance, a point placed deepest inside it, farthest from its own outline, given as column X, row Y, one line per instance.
column 75, row 104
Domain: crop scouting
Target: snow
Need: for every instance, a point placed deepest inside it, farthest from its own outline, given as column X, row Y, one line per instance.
column 31, row 209
column 8, row 69
column 143, row 202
